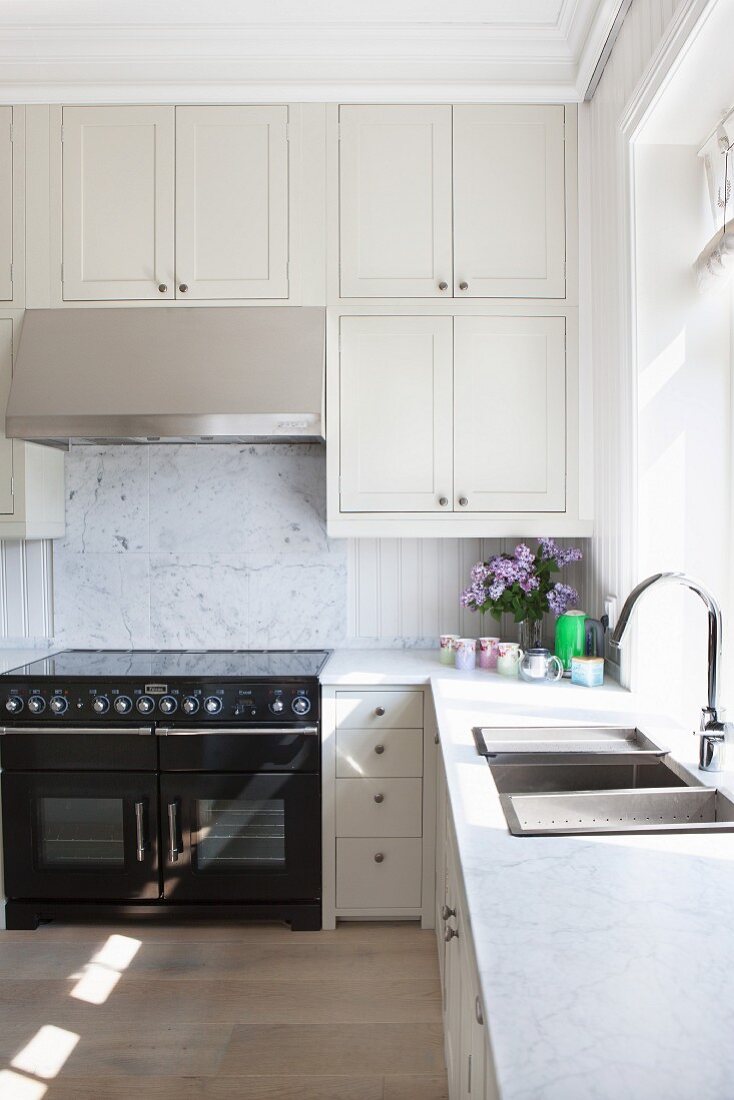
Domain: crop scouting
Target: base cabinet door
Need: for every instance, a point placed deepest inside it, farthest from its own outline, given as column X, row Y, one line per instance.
column 395, row 201
column 395, row 384
column 6, row 445
column 510, row 414
column 231, row 202
column 118, row 203
column 6, row 205
column 509, row 201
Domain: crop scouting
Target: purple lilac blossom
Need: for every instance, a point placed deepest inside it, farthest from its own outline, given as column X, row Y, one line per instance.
column 561, row 597
column 549, row 548
column 480, row 572
column 524, row 556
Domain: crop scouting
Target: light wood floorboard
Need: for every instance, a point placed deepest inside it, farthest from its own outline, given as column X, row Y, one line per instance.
column 218, row 1012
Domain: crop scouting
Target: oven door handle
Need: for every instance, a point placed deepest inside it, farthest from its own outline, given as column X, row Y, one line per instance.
column 141, row 842
column 209, row 731
column 142, row 730
column 173, row 849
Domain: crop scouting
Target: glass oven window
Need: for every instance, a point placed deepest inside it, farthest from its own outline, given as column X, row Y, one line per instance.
column 235, row 834
column 81, row 833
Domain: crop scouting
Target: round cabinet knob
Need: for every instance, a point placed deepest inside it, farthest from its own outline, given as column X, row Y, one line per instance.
column 379, row 857
column 58, row 704
column 379, row 711
column 212, row 704
column 446, row 913
column 145, row 704
column 379, row 798
column 443, row 501
column 463, row 286
column 443, row 285
column 123, row 704
column 190, row 705
column 301, row 705
column 162, row 288
column 379, row 749
column 36, row 704
column 167, row 704
column 100, row 704
column 277, row 706
column 183, row 287
column 14, row 704
column 451, row 934
column 463, row 501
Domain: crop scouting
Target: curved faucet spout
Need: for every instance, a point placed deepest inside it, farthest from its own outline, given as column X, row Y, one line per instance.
column 714, row 631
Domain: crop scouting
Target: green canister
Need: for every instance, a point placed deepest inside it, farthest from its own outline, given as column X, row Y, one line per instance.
column 578, row 636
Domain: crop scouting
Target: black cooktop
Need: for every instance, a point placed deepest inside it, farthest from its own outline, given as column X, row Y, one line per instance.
column 206, row 664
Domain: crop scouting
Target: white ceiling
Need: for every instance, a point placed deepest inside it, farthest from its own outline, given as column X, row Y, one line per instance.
column 308, row 50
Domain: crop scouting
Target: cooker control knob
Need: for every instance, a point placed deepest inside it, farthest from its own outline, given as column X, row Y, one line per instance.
column 58, row 704
column 14, row 704
column 100, row 704
column 190, row 704
column 212, row 704
column 277, row 706
column 301, row 705
column 123, row 704
column 167, row 704
column 36, row 704
column 145, row 704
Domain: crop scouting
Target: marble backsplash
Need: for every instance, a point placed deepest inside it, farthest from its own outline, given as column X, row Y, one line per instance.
column 198, row 546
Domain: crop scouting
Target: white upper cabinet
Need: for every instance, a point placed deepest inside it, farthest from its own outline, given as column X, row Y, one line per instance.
column 6, row 445
column 118, row 203
column 510, row 414
column 396, row 377
column 509, row 202
column 395, row 201
column 232, row 202
column 6, row 204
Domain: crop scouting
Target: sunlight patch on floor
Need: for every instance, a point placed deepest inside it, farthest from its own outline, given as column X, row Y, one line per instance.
column 99, row 977
column 13, row 1086
column 47, row 1052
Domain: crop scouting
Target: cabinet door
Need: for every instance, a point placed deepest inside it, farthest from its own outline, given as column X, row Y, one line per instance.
column 6, row 204
column 452, row 991
column 473, row 1038
column 396, row 377
column 509, row 202
column 232, row 202
column 510, row 414
column 6, row 445
column 395, row 201
column 118, row 199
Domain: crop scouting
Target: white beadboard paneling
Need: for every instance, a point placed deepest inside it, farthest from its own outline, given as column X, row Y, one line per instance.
column 26, row 591
column 610, row 567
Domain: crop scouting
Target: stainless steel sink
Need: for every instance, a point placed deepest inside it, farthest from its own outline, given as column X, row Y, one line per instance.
column 658, row 810
column 538, row 774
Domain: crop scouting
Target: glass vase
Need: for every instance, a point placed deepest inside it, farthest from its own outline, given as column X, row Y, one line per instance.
column 530, row 634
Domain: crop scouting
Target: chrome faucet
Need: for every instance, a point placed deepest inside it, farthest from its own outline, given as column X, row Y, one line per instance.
column 711, row 731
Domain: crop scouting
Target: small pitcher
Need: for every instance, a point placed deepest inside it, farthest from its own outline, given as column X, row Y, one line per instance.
column 538, row 666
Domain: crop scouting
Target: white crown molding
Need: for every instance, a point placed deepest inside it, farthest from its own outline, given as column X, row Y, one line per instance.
column 589, row 51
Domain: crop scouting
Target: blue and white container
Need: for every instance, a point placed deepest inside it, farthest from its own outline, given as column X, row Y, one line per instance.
column 587, row 671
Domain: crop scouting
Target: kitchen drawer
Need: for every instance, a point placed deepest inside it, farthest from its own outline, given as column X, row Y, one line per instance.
column 376, row 754
column 364, row 709
column 391, row 881
column 379, row 807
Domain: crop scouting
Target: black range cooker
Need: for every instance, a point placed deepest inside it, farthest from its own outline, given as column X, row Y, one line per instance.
column 147, row 783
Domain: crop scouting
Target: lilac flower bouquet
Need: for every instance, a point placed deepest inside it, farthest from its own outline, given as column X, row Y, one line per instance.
column 522, row 583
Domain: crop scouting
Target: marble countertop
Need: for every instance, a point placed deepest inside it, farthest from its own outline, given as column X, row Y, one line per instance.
column 605, row 963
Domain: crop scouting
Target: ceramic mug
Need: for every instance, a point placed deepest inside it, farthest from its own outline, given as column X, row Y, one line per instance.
column 447, row 643
column 488, row 652
column 466, row 654
column 509, row 656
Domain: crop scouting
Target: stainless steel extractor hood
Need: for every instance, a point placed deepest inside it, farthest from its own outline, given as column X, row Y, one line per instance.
column 198, row 374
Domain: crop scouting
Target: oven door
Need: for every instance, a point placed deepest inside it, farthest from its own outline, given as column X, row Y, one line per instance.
column 241, row 837
column 80, row 835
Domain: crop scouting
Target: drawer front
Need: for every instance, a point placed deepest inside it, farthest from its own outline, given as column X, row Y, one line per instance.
column 377, row 754
column 365, row 709
column 379, row 807
column 390, row 882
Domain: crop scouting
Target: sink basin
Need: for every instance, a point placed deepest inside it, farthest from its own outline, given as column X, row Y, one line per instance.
column 566, row 744
column 538, row 774
column 657, row 810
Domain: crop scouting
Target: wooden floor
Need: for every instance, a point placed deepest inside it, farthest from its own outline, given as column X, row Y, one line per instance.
column 207, row 1012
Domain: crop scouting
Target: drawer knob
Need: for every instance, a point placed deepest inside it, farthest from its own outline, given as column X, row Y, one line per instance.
column 379, row 711
column 379, row 798
column 451, row 934
column 379, row 857
column 446, row 913
column 379, row 749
